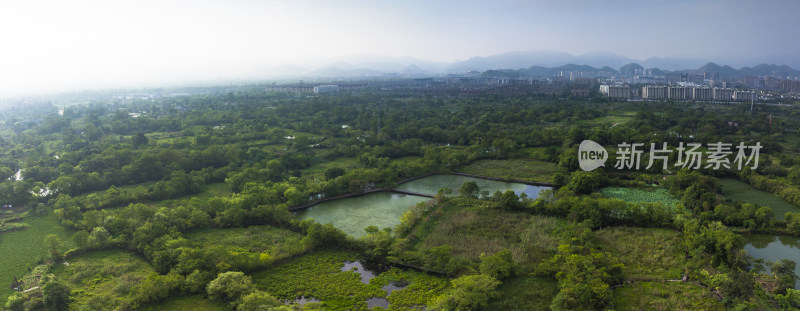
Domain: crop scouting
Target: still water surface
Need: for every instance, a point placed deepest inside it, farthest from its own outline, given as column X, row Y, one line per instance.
column 432, row 184
column 772, row 248
column 352, row 215
column 383, row 209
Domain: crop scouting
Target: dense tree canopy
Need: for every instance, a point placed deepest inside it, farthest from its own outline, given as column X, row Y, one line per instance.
column 122, row 173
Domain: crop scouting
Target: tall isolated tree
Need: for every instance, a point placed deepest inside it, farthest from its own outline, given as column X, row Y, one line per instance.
column 53, row 243
column 469, row 189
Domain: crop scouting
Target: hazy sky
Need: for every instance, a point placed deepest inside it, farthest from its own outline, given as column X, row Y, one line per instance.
column 59, row 45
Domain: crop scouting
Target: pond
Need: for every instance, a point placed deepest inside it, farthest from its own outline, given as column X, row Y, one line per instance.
column 383, row 209
column 741, row 191
column 772, row 248
column 352, row 215
column 432, row 184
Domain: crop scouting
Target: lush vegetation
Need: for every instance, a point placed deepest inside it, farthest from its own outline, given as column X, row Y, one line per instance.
column 664, row 296
column 647, row 253
column 740, row 191
column 319, row 275
column 516, row 169
column 23, row 250
column 254, row 243
column 190, row 303
column 469, row 232
column 188, row 204
column 524, row 293
column 102, row 280
column 633, row 195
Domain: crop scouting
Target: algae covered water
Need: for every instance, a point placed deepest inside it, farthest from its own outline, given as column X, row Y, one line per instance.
column 352, row 215
column 383, row 209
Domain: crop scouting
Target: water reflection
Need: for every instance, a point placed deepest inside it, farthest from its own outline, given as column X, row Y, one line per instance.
column 365, row 269
column 761, row 241
column 377, row 301
column 393, row 286
column 352, row 215
column 384, row 209
column 368, row 270
column 432, row 184
column 772, row 248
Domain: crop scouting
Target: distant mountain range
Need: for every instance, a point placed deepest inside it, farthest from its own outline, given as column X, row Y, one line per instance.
column 517, row 60
column 782, row 71
column 724, row 72
column 536, row 63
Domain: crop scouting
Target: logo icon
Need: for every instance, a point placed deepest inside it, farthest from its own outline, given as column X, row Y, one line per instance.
column 591, row 155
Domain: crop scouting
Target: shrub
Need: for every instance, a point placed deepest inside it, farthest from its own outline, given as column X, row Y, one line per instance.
column 469, row 292
column 498, row 265
column 230, row 287
column 258, row 300
column 56, row 296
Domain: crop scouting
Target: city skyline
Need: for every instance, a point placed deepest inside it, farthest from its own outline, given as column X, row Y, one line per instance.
column 52, row 45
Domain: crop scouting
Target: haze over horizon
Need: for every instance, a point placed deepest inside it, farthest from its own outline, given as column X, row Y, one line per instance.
column 58, row 46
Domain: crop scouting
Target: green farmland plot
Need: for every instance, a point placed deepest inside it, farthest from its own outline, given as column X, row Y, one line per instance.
column 740, row 191
column 22, row 249
column 632, row 195
column 102, row 279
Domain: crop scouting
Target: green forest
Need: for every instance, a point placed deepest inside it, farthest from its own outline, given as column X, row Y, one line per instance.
column 197, row 202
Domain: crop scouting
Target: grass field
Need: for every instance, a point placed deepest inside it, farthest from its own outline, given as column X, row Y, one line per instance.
column 317, row 171
column 275, row 242
column 102, row 279
column 219, row 189
column 664, row 296
column 472, row 231
column 20, row 250
column 523, row 294
column 741, row 191
column 647, row 253
column 632, row 195
column 790, row 144
column 190, row 303
column 536, row 153
column 520, row 169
